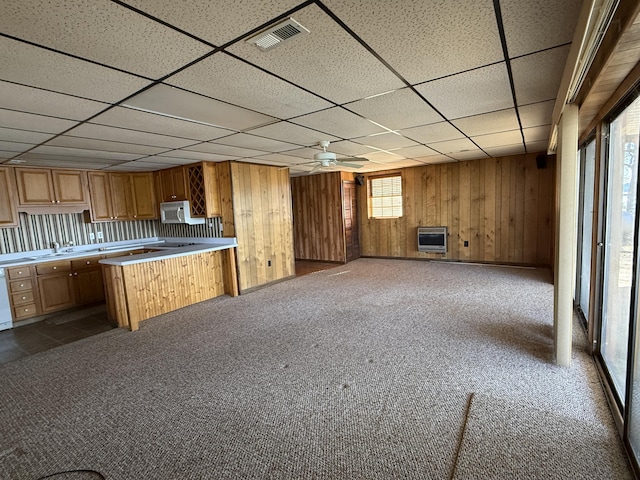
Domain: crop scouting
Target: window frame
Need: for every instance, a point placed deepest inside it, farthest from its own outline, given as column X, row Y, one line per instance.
column 370, row 196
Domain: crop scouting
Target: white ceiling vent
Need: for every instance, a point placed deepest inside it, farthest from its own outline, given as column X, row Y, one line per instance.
column 277, row 35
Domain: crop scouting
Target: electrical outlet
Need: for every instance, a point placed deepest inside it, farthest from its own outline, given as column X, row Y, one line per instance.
column 92, row 236
column 466, row 243
column 100, row 236
column 268, row 263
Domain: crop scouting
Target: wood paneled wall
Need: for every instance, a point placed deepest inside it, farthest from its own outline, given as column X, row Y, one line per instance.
column 318, row 226
column 502, row 206
column 258, row 199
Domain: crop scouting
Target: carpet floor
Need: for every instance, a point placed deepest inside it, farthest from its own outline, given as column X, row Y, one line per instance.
column 377, row 369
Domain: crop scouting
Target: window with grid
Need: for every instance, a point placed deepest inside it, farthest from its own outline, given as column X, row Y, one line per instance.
column 385, row 196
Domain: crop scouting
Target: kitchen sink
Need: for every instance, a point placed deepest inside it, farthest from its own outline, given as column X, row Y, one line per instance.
column 48, row 255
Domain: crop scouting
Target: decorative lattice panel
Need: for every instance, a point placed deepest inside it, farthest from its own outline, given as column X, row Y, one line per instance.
column 196, row 187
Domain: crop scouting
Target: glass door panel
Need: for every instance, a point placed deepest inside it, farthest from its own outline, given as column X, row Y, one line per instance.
column 589, row 168
column 619, row 244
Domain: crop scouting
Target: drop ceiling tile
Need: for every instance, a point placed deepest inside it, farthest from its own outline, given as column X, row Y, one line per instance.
column 78, row 152
column 32, row 122
column 16, row 146
column 114, row 134
column 538, row 146
column 33, row 100
column 292, row 133
column 168, row 161
column 66, row 162
column 263, row 161
column 102, row 31
column 536, row 114
column 539, row 24
column 23, row 136
column 230, row 80
column 396, row 110
column 306, row 154
column 536, row 77
column 195, row 156
column 281, row 159
column 177, row 103
column 217, row 22
column 469, row 155
column 418, row 152
column 446, row 37
column 139, row 166
column 498, row 139
column 36, row 67
column 435, row 159
column 483, row 90
column 76, row 160
column 103, row 145
column 160, row 124
column 436, row 132
column 386, row 141
column 337, row 121
column 245, row 140
column 384, row 157
column 347, row 147
column 339, row 68
column 500, row 121
column 225, row 150
column 5, row 154
column 504, row 150
column 451, row 146
column 537, row 134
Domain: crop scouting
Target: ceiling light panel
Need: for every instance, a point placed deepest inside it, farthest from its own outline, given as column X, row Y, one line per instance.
column 177, row 103
column 258, row 143
column 103, row 145
column 85, row 153
column 337, row 121
column 32, row 122
column 537, row 77
column 500, row 121
column 24, row 136
column 111, row 34
column 396, row 110
column 436, row 132
column 225, row 78
column 33, row 100
column 498, row 139
column 218, row 22
column 536, row 114
column 340, row 69
column 114, row 134
column 478, row 91
column 539, row 24
column 37, row 67
column 447, row 37
column 290, row 132
column 158, row 124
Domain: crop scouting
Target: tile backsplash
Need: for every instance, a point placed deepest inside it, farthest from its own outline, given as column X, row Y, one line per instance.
column 37, row 232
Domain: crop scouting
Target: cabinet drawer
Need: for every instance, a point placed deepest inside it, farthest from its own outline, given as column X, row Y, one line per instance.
column 20, row 286
column 24, row 311
column 15, row 273
column 85, row 262
column 22, row 298
column 53, row 267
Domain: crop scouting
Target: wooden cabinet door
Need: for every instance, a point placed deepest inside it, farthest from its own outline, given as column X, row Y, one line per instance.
column 68, row 186
column 144, row 197
column 89, row 285
column 8, row 211
column 35, row 186
column 100, row 193
column 121, row 195
column 166, row 185
column 56, row 291
column 179, row 184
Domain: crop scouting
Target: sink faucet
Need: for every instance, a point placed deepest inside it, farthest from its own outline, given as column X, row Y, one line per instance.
column 56, row 246
column 69, row 246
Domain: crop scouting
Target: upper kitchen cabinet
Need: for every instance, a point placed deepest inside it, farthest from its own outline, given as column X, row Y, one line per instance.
column 39, row 187
column 8, row 210
column 204, row 190
column 144, row 196
column 173, row 184
column 122, row 196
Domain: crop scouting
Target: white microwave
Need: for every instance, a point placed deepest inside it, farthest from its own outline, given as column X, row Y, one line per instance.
column 178, row 212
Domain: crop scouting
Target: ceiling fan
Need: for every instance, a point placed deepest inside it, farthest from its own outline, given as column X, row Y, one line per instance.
column 327, row 159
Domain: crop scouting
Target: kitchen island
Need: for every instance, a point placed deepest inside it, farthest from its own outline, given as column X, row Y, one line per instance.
column 142, row 286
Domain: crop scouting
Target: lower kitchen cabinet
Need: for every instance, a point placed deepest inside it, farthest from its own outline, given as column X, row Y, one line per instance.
column 56, row 291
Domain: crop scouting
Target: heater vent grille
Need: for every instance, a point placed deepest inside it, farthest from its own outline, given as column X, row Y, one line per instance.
column 277, row 35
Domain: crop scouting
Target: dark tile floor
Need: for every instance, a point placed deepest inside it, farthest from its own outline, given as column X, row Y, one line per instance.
column 52, row 332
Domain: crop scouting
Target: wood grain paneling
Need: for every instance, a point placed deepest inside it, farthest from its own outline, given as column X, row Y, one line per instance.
column 501, row 206
column 256, row 207
column 317, row 217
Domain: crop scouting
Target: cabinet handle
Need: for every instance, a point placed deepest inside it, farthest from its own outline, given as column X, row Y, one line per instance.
column 26, row 309
column 71, row 274
column 19, row 272
column 111, row 217
column 75, row 274
column 53, row 201
column 24, row 298
column 88, row 262
column 55, row 268
column 57, row 201
column 115, row 217
column 22, row 284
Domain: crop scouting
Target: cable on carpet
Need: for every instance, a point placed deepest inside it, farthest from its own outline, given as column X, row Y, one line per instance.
column 80, row 470
column 464, row 429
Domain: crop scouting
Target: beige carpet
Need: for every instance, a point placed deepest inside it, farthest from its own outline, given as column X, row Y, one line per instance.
column 364, row 371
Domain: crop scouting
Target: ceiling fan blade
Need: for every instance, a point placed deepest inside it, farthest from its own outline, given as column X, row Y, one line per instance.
column 340, row 163
column 316, row 168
